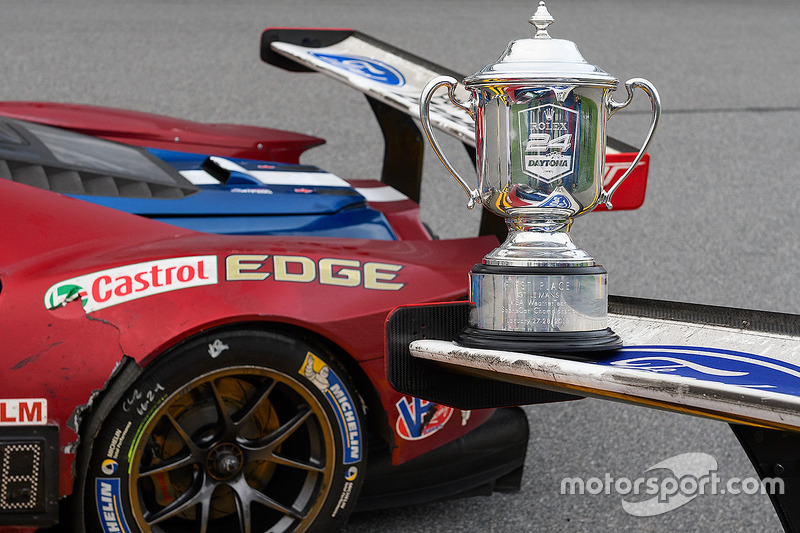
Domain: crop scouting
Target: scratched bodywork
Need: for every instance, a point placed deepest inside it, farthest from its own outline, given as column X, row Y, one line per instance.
column 731, row 365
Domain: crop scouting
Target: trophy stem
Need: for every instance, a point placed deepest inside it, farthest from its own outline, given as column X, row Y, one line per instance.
column 539, row 241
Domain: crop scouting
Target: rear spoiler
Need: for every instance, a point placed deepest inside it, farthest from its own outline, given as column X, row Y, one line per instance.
column 392, row 80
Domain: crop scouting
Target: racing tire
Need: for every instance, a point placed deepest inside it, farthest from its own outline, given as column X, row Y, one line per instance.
column 235, row 431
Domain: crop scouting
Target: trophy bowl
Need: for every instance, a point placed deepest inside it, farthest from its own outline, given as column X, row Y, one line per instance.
column 540, row 116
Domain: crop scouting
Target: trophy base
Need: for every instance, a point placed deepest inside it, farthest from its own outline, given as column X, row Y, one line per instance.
column 539, row 299
column 574, row 345
column 550, row 310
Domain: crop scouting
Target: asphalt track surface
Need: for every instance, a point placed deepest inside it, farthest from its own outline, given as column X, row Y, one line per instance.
column 719, row 226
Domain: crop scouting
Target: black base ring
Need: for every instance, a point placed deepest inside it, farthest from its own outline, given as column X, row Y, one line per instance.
column 575, row 345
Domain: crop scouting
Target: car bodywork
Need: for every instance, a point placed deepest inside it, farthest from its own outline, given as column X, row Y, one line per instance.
column 208, row 193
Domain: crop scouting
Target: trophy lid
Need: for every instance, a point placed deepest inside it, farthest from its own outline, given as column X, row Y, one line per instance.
column 541, row 60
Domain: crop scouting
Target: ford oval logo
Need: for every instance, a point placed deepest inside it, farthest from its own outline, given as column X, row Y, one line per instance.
column 710, row 364
column 370, row 69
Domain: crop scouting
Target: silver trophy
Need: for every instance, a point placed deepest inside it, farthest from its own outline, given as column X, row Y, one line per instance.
column 540, row 116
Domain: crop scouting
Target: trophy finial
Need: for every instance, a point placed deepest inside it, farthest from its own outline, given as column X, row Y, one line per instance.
column 541, row 19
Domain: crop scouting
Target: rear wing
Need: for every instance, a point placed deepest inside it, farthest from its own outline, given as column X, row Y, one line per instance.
column 392, row 80
column 735, row 365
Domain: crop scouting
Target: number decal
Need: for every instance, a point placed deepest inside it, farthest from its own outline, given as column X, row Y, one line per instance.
column 541, row 142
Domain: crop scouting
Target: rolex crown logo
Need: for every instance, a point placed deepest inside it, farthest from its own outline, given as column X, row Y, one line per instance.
column 548, row 114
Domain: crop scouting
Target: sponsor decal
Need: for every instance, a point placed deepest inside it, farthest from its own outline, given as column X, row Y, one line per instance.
column 326, row 271
column 547, row 138
column 326, row 380
column 114, row 286
column 347, row 490
column 109, row 506
column 419, row 418
column 109, row 467
column 364, row 67
column 65, row 293
column 23, row 412
column 404, row 93
column 710, row 364
column 251, row 191
column 116, row 444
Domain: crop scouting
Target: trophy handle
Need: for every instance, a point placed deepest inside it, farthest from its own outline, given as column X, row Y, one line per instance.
column 424, row 114
column 613, row 107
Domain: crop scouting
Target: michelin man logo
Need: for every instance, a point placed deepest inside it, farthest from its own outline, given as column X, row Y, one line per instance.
column 344, row 406
column 318, row 378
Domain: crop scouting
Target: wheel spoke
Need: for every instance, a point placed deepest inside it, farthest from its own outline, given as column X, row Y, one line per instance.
column 243, row 505
column 203, row 511
column 194, row 450
column 262, row 450
column 228, row 427
column 247, row 495
column 199, row 494
column 290, row 426
column 313, row 465
column 258, row 399
column 173, row 463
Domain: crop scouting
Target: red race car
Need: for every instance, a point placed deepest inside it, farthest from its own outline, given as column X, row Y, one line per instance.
column 156, row 378
column 162, row 376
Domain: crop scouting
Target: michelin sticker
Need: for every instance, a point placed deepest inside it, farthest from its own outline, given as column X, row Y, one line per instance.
column 109, row 467
column 321, row 375
column 109, row 506
column 114, row 286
